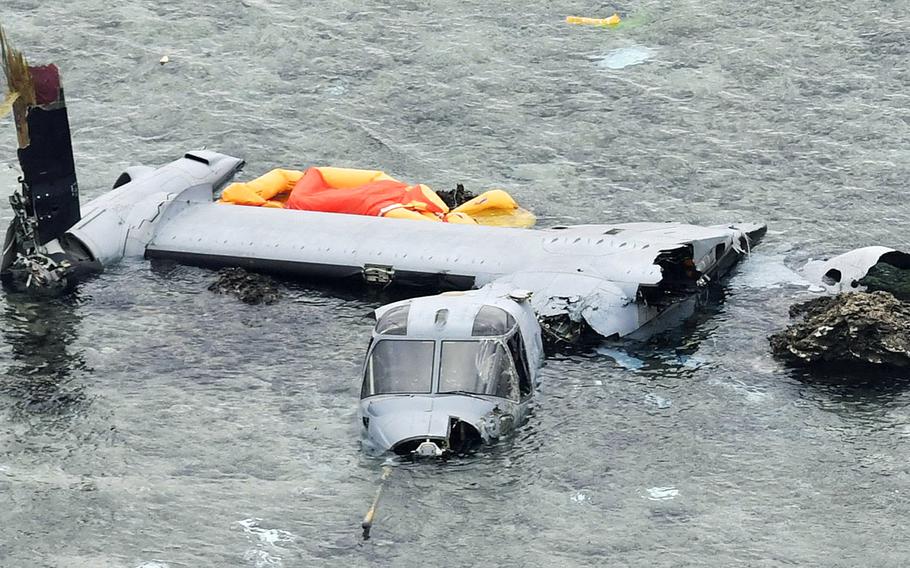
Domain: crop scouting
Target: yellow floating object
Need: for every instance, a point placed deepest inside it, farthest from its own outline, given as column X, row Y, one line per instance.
column 492, row 199
column 348, row 178
column 613, row 20
column 494, row 207
column 402, row 213
column 6, row 106
column 498, row 209
column 431, row 197
column 517, row 218
column 263, row 190
column 460, row 218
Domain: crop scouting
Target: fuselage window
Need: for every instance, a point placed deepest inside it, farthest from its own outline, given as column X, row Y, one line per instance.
column 478, row 367
column 399, row 366
column 394, row 321
column 517, row 349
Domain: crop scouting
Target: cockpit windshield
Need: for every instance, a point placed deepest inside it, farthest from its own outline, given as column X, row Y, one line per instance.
column 480, row 367
column 399, row 367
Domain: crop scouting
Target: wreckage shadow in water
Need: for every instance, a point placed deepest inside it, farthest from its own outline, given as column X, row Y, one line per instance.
column 41, row 378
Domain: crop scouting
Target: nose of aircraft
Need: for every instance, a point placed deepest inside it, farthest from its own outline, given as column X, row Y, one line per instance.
column 419, row 425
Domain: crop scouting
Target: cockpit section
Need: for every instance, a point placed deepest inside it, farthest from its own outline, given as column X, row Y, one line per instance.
column 479, row 366
column 491, row 361
column 448, row 371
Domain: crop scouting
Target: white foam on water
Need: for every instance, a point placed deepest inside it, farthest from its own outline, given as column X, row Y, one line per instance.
column 265, row 536
column 658, row 401
column 690, row 361
column 261, row 558
column 626, row 57
column 756, row 397
column 767, row 272
column 750, row 393
column 153, row 564
column 662, row 493
column 335, row 90
column 622, row 358
column 579, row 497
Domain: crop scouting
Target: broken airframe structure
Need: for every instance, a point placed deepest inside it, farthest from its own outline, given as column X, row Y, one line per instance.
column 460, row 368
column 613, row 279
column 874, row 268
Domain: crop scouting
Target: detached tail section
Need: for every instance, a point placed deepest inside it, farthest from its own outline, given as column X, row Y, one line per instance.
column 36, row 254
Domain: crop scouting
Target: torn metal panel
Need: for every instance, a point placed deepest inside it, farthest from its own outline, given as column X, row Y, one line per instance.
column 688, row 257
column 846, row 272
column 19, row 84
column 609, row 308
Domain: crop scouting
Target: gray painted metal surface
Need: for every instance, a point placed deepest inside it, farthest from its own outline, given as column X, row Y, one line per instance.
column 121, row 223
column 407, row 422
column 597, row 274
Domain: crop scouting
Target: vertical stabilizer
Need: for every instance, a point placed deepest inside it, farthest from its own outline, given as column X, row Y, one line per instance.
column 50, row 194
column 37, row 255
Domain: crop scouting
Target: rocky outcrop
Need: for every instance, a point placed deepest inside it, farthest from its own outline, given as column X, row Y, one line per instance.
column 248, row 287
column 854, row 329
column 888, row 278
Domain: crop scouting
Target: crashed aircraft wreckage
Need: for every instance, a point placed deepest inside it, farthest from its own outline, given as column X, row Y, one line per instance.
column 447, row 373
column 613, row 278
column 443, row 372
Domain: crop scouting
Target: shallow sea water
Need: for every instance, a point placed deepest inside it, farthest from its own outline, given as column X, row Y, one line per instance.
column 145, row 422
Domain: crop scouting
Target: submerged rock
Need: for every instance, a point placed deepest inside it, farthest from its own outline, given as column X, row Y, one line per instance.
column 248, row 287
column 854, row 329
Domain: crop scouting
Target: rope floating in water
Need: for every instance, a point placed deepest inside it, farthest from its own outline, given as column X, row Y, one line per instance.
column 367, row 523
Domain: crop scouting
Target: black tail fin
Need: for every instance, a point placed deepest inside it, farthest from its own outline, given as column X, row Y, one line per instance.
column 49, row 189
column 35, row 254
column 48, row 172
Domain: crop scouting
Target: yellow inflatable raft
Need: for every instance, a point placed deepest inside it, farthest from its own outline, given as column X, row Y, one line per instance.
column 371, row 192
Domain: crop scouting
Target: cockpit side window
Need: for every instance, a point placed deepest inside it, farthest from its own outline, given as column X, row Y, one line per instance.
column 394, row 321
column 491, row 320
column 479, row 367
column 399, row 366
column 517, row 349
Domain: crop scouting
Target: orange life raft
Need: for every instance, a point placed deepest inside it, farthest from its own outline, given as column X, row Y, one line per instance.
column 371, row 192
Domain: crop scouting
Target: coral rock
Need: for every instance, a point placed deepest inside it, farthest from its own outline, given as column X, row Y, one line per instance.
column 249, row 288
column 854, row 329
